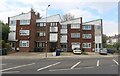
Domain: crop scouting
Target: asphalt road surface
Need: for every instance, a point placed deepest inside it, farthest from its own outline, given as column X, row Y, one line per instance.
column 107, row 65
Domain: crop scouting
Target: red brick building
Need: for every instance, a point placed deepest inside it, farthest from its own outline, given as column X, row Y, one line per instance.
column 28, row 32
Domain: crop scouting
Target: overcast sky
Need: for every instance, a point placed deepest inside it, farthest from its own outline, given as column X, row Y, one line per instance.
column 88, row 9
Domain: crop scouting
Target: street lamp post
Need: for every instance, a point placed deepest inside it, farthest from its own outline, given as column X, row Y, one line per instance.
column 46, row 33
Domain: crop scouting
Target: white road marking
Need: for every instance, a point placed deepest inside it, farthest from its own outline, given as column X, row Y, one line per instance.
column 71, row 69
column 115, row 61
column 75, row 65
column 11, row 72
column 48, row 66
column 98, row 63
column 17, row 67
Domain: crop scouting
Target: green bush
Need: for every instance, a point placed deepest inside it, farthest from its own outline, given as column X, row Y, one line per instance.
column 83, row 50
column 5, row 47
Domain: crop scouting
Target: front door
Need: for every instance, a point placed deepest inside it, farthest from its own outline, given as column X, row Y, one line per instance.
column 53, row 46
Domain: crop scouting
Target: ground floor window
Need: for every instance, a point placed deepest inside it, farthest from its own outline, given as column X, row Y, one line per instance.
column 40, row 44
column 86, row 45
column 24, row 43
column 63, row 45
column 12, row 44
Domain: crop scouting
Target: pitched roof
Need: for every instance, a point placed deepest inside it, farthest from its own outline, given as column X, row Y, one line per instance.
column 53, row 18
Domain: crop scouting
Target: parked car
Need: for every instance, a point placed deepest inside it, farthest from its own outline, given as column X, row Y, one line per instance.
column 103, row 51
column 77, row 51
column 111, row 51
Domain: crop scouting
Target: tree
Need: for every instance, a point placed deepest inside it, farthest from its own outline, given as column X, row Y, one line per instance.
column 68, row 17
column 5, row 31
column 104, row 39
column 117, row 45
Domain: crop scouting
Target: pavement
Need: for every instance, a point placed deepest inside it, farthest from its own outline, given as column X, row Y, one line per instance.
column 41, row 55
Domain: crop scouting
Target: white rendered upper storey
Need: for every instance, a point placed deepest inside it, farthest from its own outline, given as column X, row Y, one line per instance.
column 13, row 21
column 98, row 32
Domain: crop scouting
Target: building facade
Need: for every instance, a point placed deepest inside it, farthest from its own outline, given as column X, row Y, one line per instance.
column 28, row 31
column 113, row 39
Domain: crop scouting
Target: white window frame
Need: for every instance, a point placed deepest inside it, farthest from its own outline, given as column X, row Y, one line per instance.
column 53, row 29
column 75, row 26
column 24, row 22
column 24, row 43
column 40, row 44
column 63, row 31
column 87, row 36
column 63, row 26
column 86, row 45
column 86, row 27
column 42, row 24
column 75, row 35
column 98, row 27
column 13, row 22
column 53, row 24
column 41, row 33
column 26, row 32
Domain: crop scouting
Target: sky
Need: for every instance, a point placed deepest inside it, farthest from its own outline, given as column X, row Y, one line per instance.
column 87, row 9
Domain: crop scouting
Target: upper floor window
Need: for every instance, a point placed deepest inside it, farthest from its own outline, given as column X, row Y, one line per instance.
column 75, row 35
column 86, row 27
column 98, row 27
column 75, row 26
column 53, row 29
column 24, row 22
column 87, row 36
column 86, row 45
column 64, row 26
column 24, row 32
column 53, row 24
column 24, row 43
column 40, row 33
column 13, row 22
column 41, row 24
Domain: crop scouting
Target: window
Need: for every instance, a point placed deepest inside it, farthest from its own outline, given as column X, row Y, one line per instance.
column 86, row 27
column 12, row 44
column 86, row 45
column 99, row 45
column 63, row 31
column 75, row 26
column 53, row 24
column 64, row 26
column 24, row 43
column 24, row 22
column 13, row 23
column 38, row 24
column 75, row 35
column 24, row 32
column 98, row 27
column 63, row 39
column 53, row 29
column 87, row 36
column 42, row 24
column 40, row 33
column 40, row 44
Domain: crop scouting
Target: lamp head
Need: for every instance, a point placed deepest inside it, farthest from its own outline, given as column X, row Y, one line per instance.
column 49, row 5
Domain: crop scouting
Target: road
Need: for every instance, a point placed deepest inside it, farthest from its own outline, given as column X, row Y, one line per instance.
column 107, row 65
